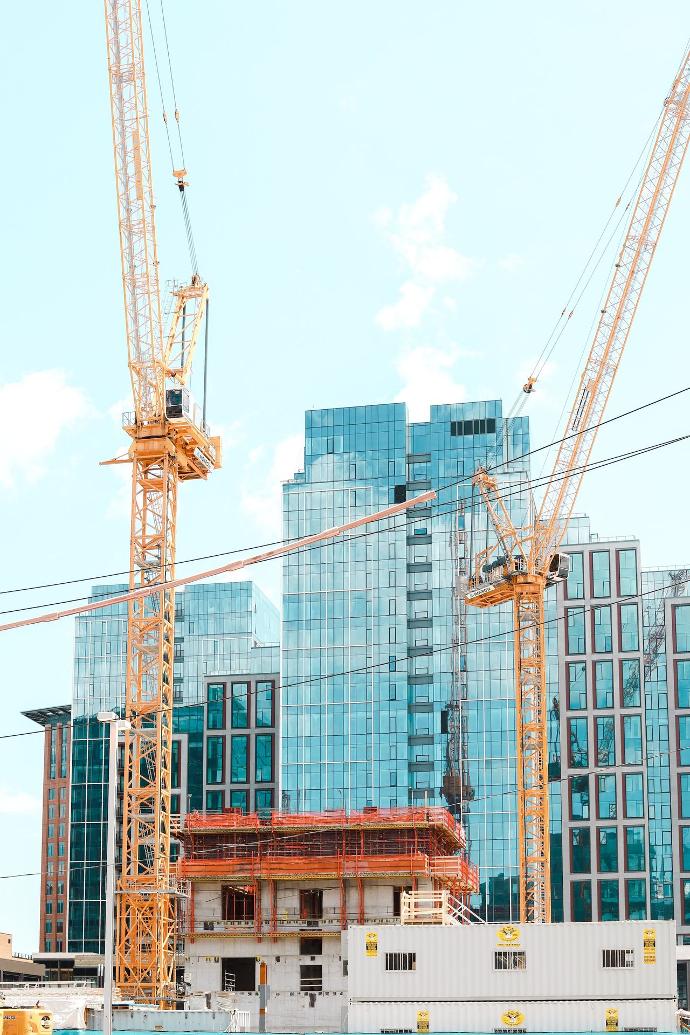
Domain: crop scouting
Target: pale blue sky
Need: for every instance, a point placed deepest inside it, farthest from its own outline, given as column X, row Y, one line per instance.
column 343, row 157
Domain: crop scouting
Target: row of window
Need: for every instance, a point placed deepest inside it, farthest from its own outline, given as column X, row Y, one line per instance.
column 606, row 796
column 600, row 574
column 59, row 926
column 482, row 426
column 601, row 678
column 49, row 945
column 239, row 759
column 601, row 632
column 240, row 705
column 604, row 753
column 59, row 907
column 608, row 892
column 516, row 959
column 218, row 800
column 53, row 752
column 607, row 849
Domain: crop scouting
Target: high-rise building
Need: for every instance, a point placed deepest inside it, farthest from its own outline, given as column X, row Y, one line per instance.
column 228, row 631
column 381, row 684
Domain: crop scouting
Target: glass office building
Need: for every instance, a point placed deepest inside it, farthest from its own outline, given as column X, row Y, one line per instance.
column 221, row 629
column 368, row 674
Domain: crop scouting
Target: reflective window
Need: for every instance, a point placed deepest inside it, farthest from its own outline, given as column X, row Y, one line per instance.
column 684, row 782
column 239, row 716
column 577, row 685
column 627, row 573
column 238, row 800
column 634, row 795
column 629, row 631
column 580, row 850
column 636, row 895
column 603, row 640
column 263, row 800
column 575, row 586
column 264, row 702
column 215, row 801
column 603, row 683
column 609, row 908
column 685, row 888
column 214, row 759
column 632, row 739
column 606, row 741
column 175, row 764
column 684, row 739
column 601, row 574
column 581, row 891
column 575, row 627
column 685, row 849
column 634, row 848
column 630, row 683
column 579, row 797
column 578, row 745
column 681, row 615
column 215, row 706
column 264, row 757
column 608, row 849
column 606, row 797
column 683, row 684
column 238, row 760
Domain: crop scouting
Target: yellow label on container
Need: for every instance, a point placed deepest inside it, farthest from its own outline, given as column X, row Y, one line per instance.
column 513, row 1018
column 422, row 1021
column 508, row 935
column 612, row 1019
column 649, row 945
column 372, row 943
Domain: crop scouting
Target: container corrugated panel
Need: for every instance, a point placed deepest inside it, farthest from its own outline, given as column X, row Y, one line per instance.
column 521, row 961
column 514, row 1016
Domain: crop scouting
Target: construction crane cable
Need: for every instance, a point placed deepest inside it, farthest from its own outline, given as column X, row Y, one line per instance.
column 160, row 85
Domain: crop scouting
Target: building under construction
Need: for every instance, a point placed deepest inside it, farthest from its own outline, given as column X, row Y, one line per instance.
column 282, row 889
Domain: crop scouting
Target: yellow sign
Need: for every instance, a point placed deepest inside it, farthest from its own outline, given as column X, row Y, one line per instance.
column 513, row 1018
column 422, row 1021
column 508, row 935
column 649, row 945
column 372, row 943
column 611, row 1018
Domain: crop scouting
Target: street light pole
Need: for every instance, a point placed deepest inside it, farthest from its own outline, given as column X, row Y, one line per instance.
column 117, row 726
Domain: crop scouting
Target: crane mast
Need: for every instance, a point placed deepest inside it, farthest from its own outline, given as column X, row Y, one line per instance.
column 525, row 561
column 169, row 443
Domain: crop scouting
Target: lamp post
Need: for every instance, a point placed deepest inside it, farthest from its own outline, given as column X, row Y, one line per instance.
column 117, row 726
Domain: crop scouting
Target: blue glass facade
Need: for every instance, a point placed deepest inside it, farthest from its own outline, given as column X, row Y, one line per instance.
column 367, row 651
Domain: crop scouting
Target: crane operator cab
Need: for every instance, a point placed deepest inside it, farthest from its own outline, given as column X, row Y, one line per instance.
column 559, row 568
column 180, row 405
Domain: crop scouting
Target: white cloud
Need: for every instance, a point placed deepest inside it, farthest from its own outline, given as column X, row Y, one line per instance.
column 417, row 233
column 33, row 414
column 428, row 377
column 17, row 802
column 512, row 262
column 264, row 504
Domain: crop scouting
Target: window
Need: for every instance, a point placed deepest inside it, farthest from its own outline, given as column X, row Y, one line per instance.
column 627, row 573
column 401, row 961
column 629, row 632
column 603, row 639
column 601, row 574
column 630, row 683
column 685, row 892
column 263, row 801
column 397, row 893
column 581, row 894
column 617, row 959
column 606, row 741
column 579, row 797
column 238, row 974
column 681, row 622
column 606, row 797
column 239, row 717
column 482, row 426
column 684, row 794
column 633, row 795
column 238, row 800
column 577, row 685
column 510, row 959
column 214, row 759
column 215, row 801
column 608, row 850
column 683, row 684
column 311, row 946
column 215, row 706
column 175, row 804
column 578, row 746
column 685, row 849
column 263, row 750
column 310, row 977
column 684, row 739
column 609, row 905
column 636, row 899
column 264, row 703
column 632, row 739
column 237, row 904
column 580, row 850
column 175, row 764
column 575, row 630
column 634, row 848
column 575, row 586
column 238, row 760
column 603, row 683
column 311, row 904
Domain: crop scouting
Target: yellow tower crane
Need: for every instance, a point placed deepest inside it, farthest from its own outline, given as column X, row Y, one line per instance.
column 525, row 560
column 170, row 442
